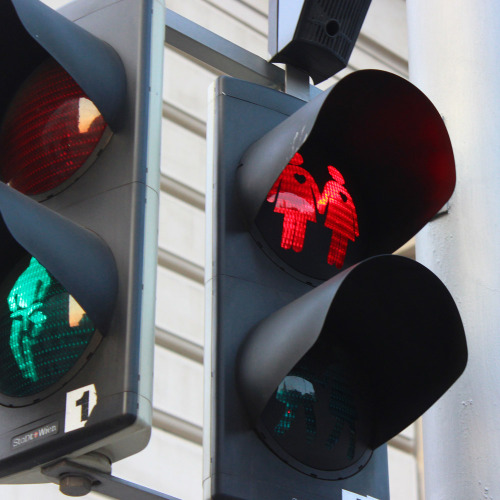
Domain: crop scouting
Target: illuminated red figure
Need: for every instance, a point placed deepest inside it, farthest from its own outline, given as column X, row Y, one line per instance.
column 296, row 195
column 341, row 216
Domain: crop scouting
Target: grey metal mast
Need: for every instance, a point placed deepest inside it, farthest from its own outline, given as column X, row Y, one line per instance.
column 454, row 51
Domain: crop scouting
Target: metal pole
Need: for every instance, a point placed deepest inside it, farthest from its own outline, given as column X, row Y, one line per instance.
column 454, row 52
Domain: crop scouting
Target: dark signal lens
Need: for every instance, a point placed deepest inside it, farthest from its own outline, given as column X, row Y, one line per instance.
column 43, row 330
column 316, row 419
column 50, row 132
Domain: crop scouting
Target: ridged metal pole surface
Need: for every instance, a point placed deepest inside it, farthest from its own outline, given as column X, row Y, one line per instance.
column 454, row 59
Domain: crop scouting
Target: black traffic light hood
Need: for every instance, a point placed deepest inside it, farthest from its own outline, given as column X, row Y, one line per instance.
column 81, row 261
column 392, row 319
column 32, row 31
column 385, row 136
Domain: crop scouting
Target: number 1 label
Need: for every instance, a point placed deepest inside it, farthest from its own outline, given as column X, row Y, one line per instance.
column 79, row 406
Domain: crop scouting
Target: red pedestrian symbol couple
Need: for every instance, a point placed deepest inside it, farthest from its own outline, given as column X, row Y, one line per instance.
column 296, row 195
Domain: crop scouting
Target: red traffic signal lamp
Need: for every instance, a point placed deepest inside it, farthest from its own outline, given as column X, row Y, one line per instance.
column 354, row 142
column 65, row 134
column 323, row 346
column 80, row 116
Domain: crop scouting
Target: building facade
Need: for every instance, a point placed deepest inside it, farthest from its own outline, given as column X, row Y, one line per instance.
column 172, row 463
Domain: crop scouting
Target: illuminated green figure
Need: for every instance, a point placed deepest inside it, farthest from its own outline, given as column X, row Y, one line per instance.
column 292, row 392
column 26, row 300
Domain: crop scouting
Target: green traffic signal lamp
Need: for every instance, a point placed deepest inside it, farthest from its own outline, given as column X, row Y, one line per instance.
column 43, row 331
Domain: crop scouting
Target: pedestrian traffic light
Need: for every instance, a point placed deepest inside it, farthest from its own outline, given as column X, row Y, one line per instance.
column 317, row 36
column 321, row 346
column 80, row 114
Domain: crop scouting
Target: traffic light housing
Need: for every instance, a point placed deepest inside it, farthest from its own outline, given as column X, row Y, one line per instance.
column 80, row 115
column 320, row 346
column 317, row 36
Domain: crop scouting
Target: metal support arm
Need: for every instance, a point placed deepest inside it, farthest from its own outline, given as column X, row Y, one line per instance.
column 77, row 479
column 219, row 53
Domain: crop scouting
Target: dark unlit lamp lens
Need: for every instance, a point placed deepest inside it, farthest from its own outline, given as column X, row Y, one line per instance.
column 316, row 417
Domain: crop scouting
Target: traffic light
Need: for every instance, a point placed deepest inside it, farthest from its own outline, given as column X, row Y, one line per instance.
column 317, row 36
column 80, row 114
column 321, row 346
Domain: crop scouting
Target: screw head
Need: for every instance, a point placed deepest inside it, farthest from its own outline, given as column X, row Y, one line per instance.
column 75, row 485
